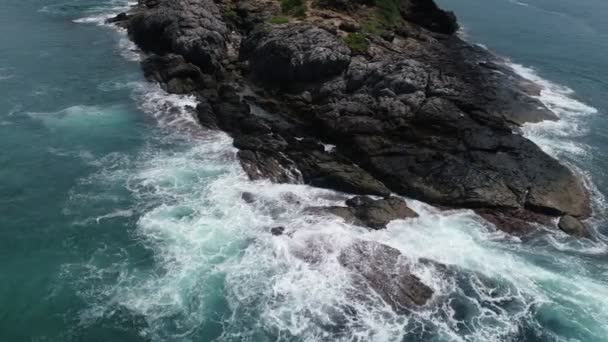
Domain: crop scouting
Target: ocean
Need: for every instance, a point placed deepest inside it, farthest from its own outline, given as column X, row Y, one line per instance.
column 122, row 220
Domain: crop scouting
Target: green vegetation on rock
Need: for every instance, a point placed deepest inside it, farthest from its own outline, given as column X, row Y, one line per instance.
column 297, row 8
column 279, row 19
column 388, row 11
column 356, row 42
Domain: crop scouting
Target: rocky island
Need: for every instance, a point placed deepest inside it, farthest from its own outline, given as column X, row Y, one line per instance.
column 368, row 97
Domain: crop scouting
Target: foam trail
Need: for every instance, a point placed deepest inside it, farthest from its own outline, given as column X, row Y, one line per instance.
column 556, row 137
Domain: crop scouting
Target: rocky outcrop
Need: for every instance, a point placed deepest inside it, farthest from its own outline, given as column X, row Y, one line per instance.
column 365, row 211
column 415, row 111
column 295, row 53
column 384, row 270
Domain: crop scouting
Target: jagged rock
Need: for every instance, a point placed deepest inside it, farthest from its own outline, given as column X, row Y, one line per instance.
column 375, row 214
column 119, row 18
column 174, row 74
column 384, row 270
column 191, row 28
column 572, row 226
column 294, row 52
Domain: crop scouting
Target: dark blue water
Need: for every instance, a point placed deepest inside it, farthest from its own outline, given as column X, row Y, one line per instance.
column 121, row 220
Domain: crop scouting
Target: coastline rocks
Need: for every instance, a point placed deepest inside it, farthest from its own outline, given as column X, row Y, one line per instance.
column 120, row 19
column 365, row 211
column 174, row 74
column 294, row 53
column 191, row 28
column 572, row 226
column 425, row 115
column 385, row 271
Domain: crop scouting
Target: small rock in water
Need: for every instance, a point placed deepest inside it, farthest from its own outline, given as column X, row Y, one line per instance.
column 377, row 214
column 276, row 231
column 572, row 226
column 366, row 211
column 386, row 271
column 248, row 197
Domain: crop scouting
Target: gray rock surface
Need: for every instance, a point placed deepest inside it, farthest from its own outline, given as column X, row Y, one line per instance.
column 384, row 270
column 294, row 52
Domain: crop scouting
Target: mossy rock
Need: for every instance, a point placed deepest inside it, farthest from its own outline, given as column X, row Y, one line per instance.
column 356, row 42
column 279, row 19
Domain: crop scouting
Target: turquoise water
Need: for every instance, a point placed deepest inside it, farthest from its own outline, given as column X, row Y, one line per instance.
column 121, row 220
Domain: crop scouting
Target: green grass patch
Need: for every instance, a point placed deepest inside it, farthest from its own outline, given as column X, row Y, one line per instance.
column 357, row 42
column 388, row 11
column 297, row 8
column 372, row 26
column 279, row 19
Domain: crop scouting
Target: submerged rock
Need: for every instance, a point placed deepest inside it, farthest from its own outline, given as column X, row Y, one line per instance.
column 276, row 231
column 384, row 270
column 248, row 197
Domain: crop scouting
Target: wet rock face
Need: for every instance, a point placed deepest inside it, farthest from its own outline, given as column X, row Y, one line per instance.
column 173, row 73
column 384, row 270
column 375, row 214
column 572, row 226
column 294, row 52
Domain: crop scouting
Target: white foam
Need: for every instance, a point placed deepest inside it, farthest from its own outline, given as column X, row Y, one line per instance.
column 556, row 137
column 519, row 3
column 83, row 119
column 6, row 74
column 169, row 110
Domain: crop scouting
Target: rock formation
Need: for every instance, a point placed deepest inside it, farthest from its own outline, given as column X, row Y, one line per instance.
column 365, row 97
